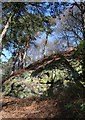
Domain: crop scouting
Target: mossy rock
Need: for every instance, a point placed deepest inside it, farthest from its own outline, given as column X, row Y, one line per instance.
column 21, row 94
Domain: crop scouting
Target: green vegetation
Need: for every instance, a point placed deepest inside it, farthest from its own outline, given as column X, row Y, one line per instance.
column 46, row 42
column 45, row 83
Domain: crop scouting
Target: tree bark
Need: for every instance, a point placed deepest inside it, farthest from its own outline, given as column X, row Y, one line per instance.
column 15, row 60
column 21, row 64
column 19, row 60
column 45, row 45
column 26, row 45
column 6, row 26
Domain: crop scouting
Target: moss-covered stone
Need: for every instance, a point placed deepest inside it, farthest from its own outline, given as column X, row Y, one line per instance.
column 26, row 85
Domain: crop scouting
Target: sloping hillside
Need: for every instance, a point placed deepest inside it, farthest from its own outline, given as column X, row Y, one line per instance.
column 64, row 105
column 67, row 102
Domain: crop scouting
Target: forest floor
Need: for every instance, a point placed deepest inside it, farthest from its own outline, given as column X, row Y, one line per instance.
column 41, row 107
column 32, row 107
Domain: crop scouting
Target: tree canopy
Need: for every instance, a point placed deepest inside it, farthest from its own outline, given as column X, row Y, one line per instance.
column 24, row 23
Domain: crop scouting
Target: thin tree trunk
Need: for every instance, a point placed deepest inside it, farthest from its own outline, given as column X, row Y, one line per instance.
column 25, row 62
column 6, row 27
column 19, row 60
column 21, row 64
column 24, row 53
column 67, row 39
column 39, row 53
column 45, row 45
column 15, row 60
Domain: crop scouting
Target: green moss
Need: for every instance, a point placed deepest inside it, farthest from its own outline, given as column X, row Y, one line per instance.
column 54, row 74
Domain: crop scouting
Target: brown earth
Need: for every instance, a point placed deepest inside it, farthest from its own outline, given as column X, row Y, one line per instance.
column 32, row 107
column 42, row 107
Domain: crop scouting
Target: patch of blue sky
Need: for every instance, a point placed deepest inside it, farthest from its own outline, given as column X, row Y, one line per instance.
column 7, row 55
column 43, row 36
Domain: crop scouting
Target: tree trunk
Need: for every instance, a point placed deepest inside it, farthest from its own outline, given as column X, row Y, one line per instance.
column 45, row 45
column 67, row 39
column 15, row 60
column 6, row 26
column 21, row 64
column 23, row 55
column 19, row 60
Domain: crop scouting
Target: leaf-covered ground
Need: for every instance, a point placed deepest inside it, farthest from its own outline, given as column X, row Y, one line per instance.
column 59, row 106
column 32, row 107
